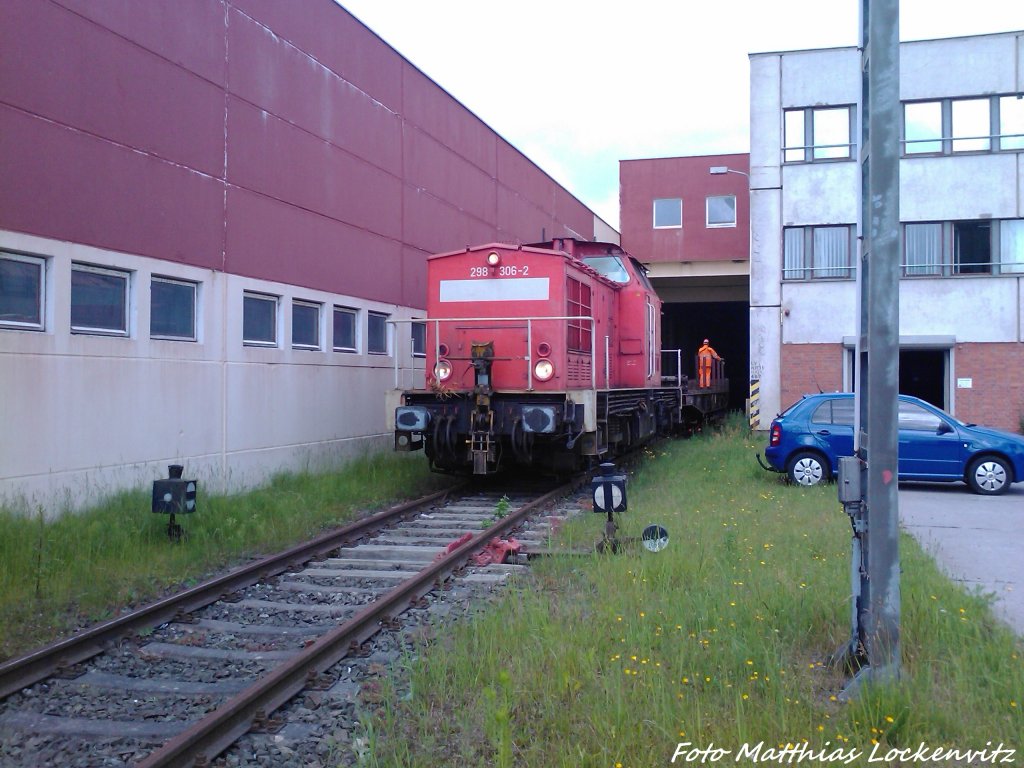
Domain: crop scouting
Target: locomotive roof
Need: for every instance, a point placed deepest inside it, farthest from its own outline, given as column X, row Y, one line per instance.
column 578, row 250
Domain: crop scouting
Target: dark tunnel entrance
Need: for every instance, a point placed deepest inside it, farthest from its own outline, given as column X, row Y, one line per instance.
column 726, row 324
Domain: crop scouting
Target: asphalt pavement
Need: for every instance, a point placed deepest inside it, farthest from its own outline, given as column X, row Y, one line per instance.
column 976, row 540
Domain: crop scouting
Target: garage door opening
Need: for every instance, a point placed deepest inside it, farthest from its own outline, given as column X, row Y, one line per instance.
column 923, row 374
column 726, row 324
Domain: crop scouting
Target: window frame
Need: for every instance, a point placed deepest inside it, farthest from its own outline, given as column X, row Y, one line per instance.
column 195, row 306
column 41, row 264
column 997, row 122
column 413, row 326
column 383, row 316
column 308, row 304
column 809, row 267
column 354, row 314
column 948, row 138
column 809, row 149
column 275, row 302
column 654, row 212
column 707, row 212
column 950, row 265
column 88, row 330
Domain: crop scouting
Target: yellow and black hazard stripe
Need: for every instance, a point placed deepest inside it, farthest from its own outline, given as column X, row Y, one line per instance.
column 755, row 404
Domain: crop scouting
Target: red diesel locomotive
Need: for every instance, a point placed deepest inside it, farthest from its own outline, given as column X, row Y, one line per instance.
column 543, row 355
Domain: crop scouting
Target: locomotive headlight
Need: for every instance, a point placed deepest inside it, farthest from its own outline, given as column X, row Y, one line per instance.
column 443, row 370
column 544, row 370
column 494, row 258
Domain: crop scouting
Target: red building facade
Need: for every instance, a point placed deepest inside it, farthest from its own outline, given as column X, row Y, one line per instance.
column 274, row 166
column 705, row 232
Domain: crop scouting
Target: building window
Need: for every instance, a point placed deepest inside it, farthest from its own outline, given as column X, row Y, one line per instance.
column 172, row 309
column 22, row 291
column 971, row 125
column 1011, row 246
column 977, row 247
column 817, row 253
column 259, row 320
column 721, row 211
column 922, row 249
column 419, row 339
column 817, row 133
column 99, row 300
column 972, row 247
column 977, row 124
column 578, row 305
column 344, row 329
column 1011, row 122
column 305, row 325
column 668, row 213
column 376, row 333
column 922, row 127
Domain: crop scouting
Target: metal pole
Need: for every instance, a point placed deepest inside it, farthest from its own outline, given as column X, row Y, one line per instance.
column 877, row 627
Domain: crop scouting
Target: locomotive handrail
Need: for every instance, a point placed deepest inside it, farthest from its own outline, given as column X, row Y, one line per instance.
column 679, row 365
column 529, row 339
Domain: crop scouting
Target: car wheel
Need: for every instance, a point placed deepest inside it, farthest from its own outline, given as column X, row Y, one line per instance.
column 989, row 475
column 807, row 468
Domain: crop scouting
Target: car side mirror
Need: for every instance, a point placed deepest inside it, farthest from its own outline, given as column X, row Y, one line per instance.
column 944, row 428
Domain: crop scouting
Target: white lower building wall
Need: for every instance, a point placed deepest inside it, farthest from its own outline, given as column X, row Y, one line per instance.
column 971, row 309
column 84, row 416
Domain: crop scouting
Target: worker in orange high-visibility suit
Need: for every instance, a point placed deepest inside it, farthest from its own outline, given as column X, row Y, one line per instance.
column 704, row 357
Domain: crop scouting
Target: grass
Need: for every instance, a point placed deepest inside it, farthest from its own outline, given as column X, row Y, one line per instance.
column 83, row 568
column 614, row 660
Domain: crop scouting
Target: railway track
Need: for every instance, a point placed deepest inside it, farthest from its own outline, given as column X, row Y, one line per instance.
column 178, row 682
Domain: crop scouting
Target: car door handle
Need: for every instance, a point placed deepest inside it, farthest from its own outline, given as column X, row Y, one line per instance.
column 824, row 432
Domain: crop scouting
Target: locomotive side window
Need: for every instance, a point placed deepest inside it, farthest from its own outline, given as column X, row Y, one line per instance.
column 578, row 305
column 609, row 266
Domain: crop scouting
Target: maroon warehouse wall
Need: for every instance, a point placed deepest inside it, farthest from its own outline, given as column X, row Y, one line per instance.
column 276, row 140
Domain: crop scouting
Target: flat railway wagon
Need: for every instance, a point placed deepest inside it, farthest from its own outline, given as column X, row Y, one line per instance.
column 544, row 355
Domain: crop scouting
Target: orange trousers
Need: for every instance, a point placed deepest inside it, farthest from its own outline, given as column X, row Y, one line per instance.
column 704, row 371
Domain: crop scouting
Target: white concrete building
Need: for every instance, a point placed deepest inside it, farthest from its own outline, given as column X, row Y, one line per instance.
column 962, row 214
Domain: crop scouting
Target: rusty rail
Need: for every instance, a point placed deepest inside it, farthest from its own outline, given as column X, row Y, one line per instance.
column 209, row 736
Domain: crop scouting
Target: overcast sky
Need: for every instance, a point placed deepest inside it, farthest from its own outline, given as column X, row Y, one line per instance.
column 578, row 85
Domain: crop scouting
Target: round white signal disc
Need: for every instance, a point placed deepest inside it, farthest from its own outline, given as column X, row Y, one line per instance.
column 655, row 538
column 601, row 496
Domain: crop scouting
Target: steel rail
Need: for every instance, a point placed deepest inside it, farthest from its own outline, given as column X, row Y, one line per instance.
column 211, row 735
column 26, row 670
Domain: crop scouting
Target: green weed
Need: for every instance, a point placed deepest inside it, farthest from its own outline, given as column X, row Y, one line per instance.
column 723, row 637
column 85, row 567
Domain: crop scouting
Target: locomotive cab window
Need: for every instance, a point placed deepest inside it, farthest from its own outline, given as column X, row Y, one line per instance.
column 609, row 266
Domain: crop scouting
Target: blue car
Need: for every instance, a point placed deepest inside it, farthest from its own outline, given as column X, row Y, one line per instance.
column 807, row 439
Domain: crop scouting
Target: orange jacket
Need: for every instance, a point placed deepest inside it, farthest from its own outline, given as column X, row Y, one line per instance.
column 706, row 353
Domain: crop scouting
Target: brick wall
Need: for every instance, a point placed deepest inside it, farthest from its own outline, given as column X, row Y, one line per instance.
column 810, row 368
column 996, row 397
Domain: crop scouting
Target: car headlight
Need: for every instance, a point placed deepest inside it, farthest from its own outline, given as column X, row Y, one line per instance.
column 443, row 370
column 544, row 370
